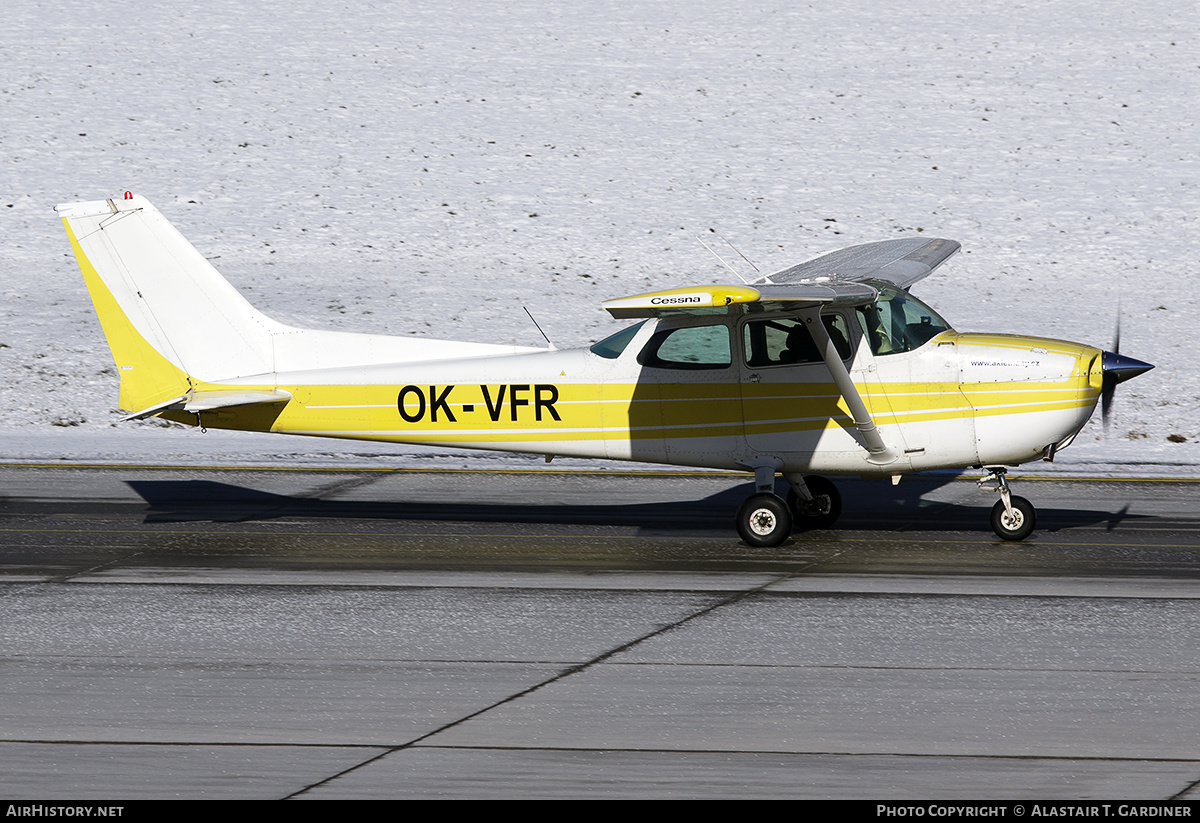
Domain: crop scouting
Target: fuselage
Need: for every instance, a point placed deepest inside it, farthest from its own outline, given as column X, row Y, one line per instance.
column 830, row 366
column 688, row 390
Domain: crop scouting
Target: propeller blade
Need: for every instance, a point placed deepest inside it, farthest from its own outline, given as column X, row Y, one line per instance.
column 1107, row 391
column 1108, row 388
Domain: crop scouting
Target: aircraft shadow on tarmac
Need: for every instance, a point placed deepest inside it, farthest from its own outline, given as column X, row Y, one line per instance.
column 867, row 505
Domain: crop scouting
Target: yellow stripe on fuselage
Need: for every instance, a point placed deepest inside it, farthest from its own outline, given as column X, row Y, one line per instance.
column 625, row 411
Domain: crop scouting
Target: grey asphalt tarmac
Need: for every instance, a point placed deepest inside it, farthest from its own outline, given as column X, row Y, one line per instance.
column 201, row 633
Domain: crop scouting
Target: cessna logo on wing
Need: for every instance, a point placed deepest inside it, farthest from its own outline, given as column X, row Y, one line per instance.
column 414, row 402
column 678, row 299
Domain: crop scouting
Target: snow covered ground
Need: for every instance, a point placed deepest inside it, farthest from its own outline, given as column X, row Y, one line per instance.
column 429, row 168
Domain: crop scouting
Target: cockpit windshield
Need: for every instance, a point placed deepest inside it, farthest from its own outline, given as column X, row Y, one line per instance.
column 898, row 322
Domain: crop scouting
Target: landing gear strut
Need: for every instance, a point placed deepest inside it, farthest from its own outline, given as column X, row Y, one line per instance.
column 1013, row 518
column 814, row 501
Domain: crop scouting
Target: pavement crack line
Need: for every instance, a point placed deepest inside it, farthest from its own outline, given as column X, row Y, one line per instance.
column 69, row 576
column 328, row 488
column 1186, row 792
column 736, row 597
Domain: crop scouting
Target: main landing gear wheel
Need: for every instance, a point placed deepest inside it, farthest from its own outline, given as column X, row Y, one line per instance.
column 822, row 511
column 763, row 520
column 1016, row 526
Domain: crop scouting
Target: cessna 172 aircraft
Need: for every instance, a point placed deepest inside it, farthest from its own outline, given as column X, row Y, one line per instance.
column 830, row 366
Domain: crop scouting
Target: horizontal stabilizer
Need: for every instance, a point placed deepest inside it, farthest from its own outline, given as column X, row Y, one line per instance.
column 202, row 401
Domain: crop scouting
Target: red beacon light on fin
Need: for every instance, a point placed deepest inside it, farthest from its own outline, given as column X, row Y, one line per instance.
column 128, row 195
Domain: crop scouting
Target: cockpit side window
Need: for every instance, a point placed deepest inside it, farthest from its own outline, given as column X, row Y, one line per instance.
column 785, row 341
column 688, row 347
column 898, row 322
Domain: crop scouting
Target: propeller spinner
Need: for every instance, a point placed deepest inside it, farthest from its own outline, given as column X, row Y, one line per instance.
column 1117, row 368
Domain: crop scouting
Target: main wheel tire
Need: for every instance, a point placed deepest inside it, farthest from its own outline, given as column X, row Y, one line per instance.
column 1019, row 525
column 823, row 511
column 763, row 520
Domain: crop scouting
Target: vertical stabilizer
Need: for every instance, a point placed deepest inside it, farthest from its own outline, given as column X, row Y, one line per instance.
column 167, row 314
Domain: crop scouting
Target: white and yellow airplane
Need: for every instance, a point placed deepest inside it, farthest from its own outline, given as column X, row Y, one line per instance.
column 830, row 366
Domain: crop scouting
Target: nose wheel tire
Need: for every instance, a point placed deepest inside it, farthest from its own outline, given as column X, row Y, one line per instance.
column 1017, row 526
column 763, row 520
column 824, row 509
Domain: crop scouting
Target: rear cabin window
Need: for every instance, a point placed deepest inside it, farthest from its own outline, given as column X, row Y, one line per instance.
column 690, row 347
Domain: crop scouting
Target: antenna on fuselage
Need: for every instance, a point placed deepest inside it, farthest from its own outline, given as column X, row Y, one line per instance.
column 722, row 259
column 736, row 249
column 539, row 328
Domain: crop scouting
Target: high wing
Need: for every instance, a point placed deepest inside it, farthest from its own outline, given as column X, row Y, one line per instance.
column 899, row 262
column 840, row 277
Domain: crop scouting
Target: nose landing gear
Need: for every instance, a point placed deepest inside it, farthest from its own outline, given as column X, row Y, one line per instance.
column 1013, row 517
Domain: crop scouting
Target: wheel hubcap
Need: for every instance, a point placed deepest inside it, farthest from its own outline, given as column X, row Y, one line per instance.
column 1013, row 521
column 762, row 522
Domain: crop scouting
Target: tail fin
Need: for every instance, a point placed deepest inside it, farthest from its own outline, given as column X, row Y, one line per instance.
column 174, row 323
column 167, row 314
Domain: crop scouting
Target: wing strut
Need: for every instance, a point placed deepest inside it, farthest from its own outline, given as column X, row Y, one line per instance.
column 880, row 453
